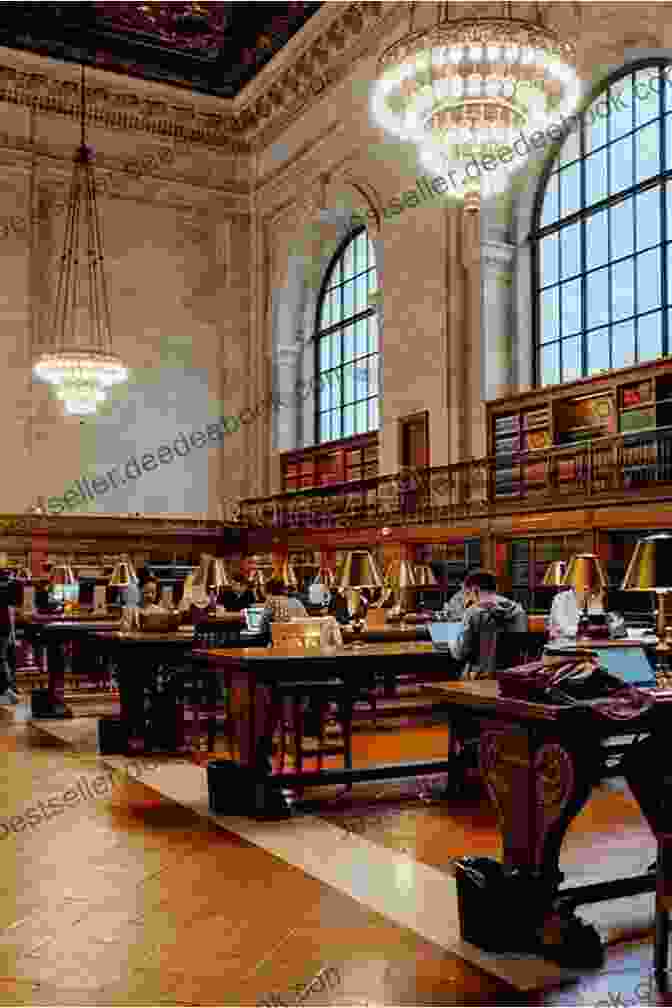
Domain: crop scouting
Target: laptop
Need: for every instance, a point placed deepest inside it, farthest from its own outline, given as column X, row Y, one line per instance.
column 627, row 662
column 443, row 634
column 253, row 618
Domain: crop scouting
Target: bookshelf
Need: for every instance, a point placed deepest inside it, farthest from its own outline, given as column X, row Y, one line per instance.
column 346, row 461
column 635, row 402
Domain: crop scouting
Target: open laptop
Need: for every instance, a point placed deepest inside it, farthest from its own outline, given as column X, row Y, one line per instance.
column 443, row 634
column 627, row 662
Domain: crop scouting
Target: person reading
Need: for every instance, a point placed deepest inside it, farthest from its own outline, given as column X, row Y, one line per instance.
column 486, row 615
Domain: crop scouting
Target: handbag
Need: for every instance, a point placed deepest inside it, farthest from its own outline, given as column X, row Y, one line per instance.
column 578, row 681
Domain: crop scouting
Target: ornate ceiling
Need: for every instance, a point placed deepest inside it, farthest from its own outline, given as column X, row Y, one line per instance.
column 215, row 48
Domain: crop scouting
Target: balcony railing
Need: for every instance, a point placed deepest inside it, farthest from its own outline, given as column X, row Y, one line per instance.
column 620, row 465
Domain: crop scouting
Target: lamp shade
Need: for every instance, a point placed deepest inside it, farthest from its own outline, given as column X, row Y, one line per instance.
column 324, row 576
column 288, row 575
column 650, row 568
column 123, row 574
column 555, row 574
column 359, row 570
column 585, row 573
column 62, row 575
column 399, row 575
column 424, row 575
column 211, row 573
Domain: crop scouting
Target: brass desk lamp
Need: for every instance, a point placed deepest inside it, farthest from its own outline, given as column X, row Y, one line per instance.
column 585, row 575
column 650, row 569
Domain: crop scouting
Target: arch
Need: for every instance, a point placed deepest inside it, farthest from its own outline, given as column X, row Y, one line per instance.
column 601, row 230
column 346, row 342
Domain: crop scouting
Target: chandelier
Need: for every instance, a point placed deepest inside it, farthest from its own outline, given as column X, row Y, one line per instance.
column 466, row 88
column 80, row 363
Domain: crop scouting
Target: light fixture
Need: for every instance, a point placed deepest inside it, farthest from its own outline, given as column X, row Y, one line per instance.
column 63, row 584
column 650, row 570
column 586, row 576
column 464, row 88
column 358, row 570
column 79, row 361
column 288, row 576
column 424, row 576
column 399, row 577
column 555, row 574
column 123, row 574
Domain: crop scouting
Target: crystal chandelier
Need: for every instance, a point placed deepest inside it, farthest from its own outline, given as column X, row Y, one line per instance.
column 466, row 88
column 80, row 362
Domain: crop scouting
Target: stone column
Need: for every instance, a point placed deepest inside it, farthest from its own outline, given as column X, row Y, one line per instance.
column 286, row 416
column 497, row 260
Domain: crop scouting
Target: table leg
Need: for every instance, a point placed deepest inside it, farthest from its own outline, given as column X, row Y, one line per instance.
column 132, row 707
column 53, row 706
column 538, row 784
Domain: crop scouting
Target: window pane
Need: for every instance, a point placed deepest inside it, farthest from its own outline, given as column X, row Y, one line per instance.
column 598, row 350
column 647, row 217
column 550, row 315
column 596, row 177
column 669, row 273
column 666, row 79
column 324, row 427
column 361, row 293
column 349, row 299
column 620, row 164
column 374, row 420
column 361, row 338
column 348, row 421
column 336, row 310
column 597, row 239
column 373, row 333
column 648, row 280
column 325, row 314
column 348, row 343
column 595, row 127
column 349, row 383
column 668, row 135
column 620, row 106
column 571, row 307
column 570, row 250
column 570, row 192
column 623, row 339
column 373, row 280
column 335, row 385
column 550, row 206
column 361, row 380
column 362, row 417
column 571, row 358
column 349, row 260
column 372, row 253
column 336, row 426
column 361, row 252
column 647, row 86
column 549, row 249
column 324, row 392
column 597, row 297
column 649, row 337
column 623, row 289
column 325, row 355
column 336, row 274
column 622, row 242
column 549, row 364
column 335, row 338
column 647, row 152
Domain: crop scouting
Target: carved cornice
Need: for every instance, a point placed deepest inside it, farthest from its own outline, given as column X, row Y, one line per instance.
column 319, row 56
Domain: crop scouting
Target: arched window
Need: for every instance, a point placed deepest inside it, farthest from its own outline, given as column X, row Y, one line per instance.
column 601, row 249
column 346, row 343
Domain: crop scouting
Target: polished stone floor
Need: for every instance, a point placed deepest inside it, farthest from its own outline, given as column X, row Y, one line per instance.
column 129, row 897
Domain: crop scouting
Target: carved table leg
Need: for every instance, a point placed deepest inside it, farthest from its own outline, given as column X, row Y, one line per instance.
column 55, row 706
column 538, row 784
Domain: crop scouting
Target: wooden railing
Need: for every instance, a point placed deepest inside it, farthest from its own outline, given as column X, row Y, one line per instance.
column 619, row 466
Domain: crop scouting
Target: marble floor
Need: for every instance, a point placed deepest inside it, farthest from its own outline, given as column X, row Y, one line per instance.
column 128, row 892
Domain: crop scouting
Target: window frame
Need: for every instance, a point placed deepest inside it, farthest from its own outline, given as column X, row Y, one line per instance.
column 319, row 333
column 584, row 213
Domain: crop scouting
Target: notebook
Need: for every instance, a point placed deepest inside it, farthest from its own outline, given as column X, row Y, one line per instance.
column 443, row 634
column 629, row 663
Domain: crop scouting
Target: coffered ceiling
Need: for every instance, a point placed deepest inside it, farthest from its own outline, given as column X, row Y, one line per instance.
column 216, row 48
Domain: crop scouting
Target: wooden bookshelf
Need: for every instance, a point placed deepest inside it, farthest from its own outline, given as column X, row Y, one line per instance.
column 634, row 402
column 346, row 461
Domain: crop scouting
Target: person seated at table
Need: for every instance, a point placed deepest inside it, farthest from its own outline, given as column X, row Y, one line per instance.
column 150, row 594
column 281, row 605
column 239, row 596
column 338, row 607
column 486, row 615
column 566, row 611
column 455, row 603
